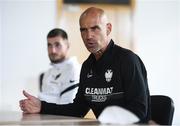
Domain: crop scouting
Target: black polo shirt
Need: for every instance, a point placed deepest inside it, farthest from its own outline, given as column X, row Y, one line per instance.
column 117, row 78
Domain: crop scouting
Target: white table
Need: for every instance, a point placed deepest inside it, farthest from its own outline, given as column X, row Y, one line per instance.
column 17, row 118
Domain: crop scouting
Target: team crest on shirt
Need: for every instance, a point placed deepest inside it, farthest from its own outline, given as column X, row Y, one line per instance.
column 108, row 75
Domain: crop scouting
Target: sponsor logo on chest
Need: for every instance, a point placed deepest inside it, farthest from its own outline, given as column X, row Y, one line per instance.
column 98, row 94
column 99, row 91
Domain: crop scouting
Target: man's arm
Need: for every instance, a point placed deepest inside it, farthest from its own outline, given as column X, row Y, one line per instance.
column 34, row 105
column 78, row 108
column 136, row 86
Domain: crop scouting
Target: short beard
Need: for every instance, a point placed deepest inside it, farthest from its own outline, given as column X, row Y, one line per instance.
column 57, row 60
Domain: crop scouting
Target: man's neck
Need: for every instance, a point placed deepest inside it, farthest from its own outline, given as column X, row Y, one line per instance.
column 99, row 53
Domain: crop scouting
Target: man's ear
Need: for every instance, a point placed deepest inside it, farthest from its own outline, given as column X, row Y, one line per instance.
column 67, row 43
column 108, row 27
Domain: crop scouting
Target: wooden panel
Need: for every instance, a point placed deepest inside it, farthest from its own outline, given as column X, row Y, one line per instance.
column 119, row 16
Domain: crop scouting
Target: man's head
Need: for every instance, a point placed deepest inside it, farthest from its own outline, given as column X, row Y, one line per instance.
column 95, row 29
column 58, row 45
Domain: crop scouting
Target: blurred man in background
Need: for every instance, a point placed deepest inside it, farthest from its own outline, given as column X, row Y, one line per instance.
column 59, row 83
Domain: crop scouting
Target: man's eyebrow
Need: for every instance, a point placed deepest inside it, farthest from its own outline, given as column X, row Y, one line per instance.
column 93, row 27
column 53, row 43
column 82, row 29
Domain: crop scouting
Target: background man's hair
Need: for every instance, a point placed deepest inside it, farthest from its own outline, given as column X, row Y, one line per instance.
column 57, row 32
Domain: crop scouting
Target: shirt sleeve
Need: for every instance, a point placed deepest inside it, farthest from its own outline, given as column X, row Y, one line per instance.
column 135, row 86
column 78, row 108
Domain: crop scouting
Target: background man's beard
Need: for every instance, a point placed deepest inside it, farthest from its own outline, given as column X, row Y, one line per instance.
column 59, row 60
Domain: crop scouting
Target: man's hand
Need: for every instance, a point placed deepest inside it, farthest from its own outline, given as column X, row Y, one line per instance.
column 31, row 104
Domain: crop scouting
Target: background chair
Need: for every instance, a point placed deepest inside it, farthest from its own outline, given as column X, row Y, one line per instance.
column 41, row 81
column 162, row 109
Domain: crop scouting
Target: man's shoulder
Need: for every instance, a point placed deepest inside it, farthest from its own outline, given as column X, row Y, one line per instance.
column 73, row 63
column 127, row 56
column 123, row 52
column 90, row 58
column 49, row 69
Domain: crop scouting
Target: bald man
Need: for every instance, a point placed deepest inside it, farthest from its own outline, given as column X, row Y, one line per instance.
column 111, row 75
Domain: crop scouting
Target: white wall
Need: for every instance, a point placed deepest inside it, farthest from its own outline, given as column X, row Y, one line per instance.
column 24, row 26
column 0, row 54
column 157, row 38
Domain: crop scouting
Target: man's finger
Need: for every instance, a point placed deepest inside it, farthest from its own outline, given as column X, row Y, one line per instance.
column 27, row 95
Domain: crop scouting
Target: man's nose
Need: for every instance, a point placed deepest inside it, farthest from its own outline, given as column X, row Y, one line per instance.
column 89, row 34
column 53, row 49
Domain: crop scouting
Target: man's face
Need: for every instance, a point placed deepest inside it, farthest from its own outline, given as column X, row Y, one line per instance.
column 57, row 49
column 93, row 32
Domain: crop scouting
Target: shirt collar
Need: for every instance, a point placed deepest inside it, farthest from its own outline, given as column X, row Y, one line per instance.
column 104, row 55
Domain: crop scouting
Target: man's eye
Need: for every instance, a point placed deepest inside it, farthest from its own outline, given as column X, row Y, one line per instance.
column 49, row 45
column 82, row 29
column 57, row 45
